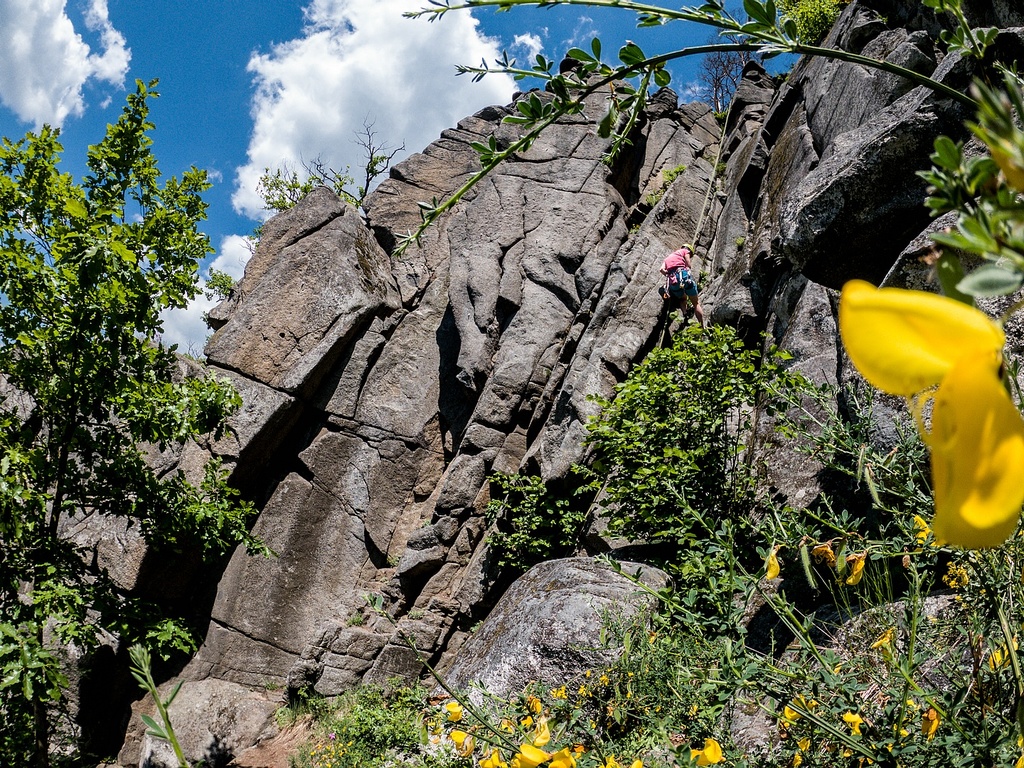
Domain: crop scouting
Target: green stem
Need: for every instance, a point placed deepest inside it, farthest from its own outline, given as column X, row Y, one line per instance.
column 768, row 42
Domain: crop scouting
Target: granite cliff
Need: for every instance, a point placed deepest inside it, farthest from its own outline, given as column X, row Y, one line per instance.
column 381, row 391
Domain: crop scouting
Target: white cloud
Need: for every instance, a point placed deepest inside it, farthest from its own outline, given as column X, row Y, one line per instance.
column 235, row 252
column 582, row 34
column 359, row 60
column 186, row 327
column 45, row 63
column 692, row 91
column 530, row 43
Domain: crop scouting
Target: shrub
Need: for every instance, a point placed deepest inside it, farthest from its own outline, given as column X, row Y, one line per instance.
column 369, row 727
column 814, row 18
column 533, row 522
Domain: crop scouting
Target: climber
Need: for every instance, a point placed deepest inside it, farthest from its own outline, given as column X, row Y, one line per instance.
column 680, row 284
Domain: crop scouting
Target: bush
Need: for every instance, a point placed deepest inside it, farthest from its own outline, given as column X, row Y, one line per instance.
column 814, row 18
column 671, row 464
column 533, row 523
column 369, row 727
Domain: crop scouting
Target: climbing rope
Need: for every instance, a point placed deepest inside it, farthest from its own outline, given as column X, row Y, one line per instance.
column 714, row 178
column 663, row 329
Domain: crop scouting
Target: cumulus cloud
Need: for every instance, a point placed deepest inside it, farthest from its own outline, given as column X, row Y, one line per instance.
column 235, row 252
column 186, row 327
column 530, row 43
column 45, row 62
column 359, row 61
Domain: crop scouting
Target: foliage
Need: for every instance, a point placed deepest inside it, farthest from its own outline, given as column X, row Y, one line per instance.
column 142, row 671
column 533, row 523
column 667, row 177
column 86, row 270
column 984, row 191
column 369, row 727
column 281, row 188
column 814, row 18
column 649, row 695
column 219, row 285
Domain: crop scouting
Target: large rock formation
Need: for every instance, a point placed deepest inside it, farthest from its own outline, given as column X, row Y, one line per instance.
column 381, row 391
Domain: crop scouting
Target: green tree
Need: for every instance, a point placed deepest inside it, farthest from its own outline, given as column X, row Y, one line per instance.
column 281, row 188
column 85, row 271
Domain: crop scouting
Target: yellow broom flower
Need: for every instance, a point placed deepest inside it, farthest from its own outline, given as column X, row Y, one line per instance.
column 771, row 565
column 530, row 757
column 709, row 755
column 853, row 720
column 855, row 563
column 929, row 723
column 910, row 342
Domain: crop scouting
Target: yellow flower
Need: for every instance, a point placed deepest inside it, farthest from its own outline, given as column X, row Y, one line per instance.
column 929, row 723
column 454, row 711
column 855, row 563
column 907, row 342
column 884, row 641
column 529, row 757
column 611, row 762
column 541, row 734
column 823, row 554
column 923, row 531
column 559, row 693
column 771, row 565
column 637, row 764
column 804, row 744
column 710, row 755
column 853, row 720
column 493, row 760
column 533, row 704
column 507, row 726
column 463, row 742
column 564, row 758
column 1000, row 656
column 526, row 722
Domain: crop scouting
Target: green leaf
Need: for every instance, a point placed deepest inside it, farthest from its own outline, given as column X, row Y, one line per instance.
column 153, row 725
column 947, row 153
column 950, row 272
column 75, row 208
column 630, row 54
column 171, row 696
column 991, row 280
column 759, row 12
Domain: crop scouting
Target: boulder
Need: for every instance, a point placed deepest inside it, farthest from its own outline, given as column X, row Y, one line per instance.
column 547, row 627
column 214, row 721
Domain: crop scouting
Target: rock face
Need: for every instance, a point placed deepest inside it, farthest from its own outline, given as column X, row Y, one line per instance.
column 547, row 627
column 381, row 391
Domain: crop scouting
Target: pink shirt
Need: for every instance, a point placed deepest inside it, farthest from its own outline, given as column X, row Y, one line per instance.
column 676, row 259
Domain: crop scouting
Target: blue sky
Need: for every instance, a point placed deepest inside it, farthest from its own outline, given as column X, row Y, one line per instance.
column 249, row 84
